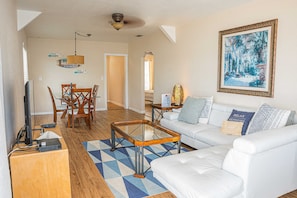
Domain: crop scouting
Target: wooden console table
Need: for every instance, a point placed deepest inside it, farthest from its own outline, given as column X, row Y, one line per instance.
column 41, row 174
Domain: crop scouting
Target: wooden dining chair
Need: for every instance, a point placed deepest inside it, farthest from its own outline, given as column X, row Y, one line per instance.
column 81, row 98
column 56, row 109
column 93, row 101
column 66, row 90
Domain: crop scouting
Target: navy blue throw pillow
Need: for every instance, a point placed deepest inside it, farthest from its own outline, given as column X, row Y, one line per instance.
column 242, row 116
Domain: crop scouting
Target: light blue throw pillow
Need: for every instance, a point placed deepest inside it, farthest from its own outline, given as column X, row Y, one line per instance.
column 191, row 110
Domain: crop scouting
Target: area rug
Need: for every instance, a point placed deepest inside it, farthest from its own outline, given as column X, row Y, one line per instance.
column 117, row 167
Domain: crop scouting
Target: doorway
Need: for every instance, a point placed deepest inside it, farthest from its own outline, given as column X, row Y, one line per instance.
column 148, row 78
column 116, row 81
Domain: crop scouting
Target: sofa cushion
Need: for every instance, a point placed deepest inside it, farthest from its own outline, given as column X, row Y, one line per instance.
column 197, row 173
column 242, row 116
column 268, row 117
column 191, row 110
column 221, row 112
column 184, row 128
column 213, row 136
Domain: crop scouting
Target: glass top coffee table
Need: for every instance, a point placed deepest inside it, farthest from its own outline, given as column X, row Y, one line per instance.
column 142, row 133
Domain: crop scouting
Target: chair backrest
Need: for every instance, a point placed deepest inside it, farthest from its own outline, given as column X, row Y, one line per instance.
column 53, row 100
column 66, row 89
column 82, row 98
column 94, row 94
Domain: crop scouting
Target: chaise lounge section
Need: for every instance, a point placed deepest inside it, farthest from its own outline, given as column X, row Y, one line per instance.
column 260, row 165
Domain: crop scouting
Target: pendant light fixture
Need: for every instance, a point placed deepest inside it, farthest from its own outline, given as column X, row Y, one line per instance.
column 76, row 59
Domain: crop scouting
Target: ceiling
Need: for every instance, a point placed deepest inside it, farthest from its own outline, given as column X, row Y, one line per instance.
column 60, row 19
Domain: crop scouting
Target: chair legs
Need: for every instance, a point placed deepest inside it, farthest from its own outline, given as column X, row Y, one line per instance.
column 55, row 117
column 64, row 113
column 70, row 122
column 93, row 115
column 88, row 122
column 62, row 116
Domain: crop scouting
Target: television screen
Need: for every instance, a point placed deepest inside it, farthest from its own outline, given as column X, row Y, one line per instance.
column 29, row 109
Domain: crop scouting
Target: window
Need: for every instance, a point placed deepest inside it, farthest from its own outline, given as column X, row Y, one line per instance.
column 25, row 64
column 147, row 75
column 148, row 72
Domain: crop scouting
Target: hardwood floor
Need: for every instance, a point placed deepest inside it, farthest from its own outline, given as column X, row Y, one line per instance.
column 86, row 181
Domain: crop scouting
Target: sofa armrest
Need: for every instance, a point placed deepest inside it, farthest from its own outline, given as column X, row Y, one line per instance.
column 170, row 115
column 267, row 157
column 265, row 140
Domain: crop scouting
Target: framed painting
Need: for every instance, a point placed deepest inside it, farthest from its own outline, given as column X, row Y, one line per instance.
column 247, row 59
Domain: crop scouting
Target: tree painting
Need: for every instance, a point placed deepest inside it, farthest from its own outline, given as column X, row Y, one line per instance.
column 246, row 59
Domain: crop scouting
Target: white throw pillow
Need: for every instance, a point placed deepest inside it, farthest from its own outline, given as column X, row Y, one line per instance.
column 176, row 110
column 204, row 116
column 170, row 115
column 268, row 117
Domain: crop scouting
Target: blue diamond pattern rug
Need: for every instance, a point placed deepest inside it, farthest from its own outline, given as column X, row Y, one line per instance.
column 117, row 167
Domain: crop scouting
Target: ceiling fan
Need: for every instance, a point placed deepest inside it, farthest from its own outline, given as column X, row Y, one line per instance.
column 118, row 21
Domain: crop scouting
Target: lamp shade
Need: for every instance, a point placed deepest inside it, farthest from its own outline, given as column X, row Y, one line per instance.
column 178, row 94
column 75, row 59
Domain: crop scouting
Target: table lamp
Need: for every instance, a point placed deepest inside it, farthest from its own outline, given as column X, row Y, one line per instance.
column 178, row 94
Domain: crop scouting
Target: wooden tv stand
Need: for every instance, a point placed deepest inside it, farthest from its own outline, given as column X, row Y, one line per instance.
column 41, row 174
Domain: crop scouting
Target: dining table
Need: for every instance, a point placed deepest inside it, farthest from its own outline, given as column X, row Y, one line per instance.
column 67, row 99
column 78, row 100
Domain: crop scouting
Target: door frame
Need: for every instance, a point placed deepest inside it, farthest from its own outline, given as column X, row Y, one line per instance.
column 126, row 78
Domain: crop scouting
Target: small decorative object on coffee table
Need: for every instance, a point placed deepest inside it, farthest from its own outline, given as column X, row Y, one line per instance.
column 142, row 133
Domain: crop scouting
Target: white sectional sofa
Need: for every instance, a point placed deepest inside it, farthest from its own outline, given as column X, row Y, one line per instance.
column 208, row 133
column 261, row 164
column 202, row 135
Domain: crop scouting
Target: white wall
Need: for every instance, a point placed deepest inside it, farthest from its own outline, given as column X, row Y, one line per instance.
column 193, row 60
column 11, row 88
column 45, row 72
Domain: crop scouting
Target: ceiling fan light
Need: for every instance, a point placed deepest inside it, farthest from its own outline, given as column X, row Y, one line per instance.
column 75, row 60
column 117, row 25
column 117, row 17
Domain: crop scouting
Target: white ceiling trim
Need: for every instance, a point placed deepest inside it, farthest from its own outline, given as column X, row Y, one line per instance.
column 169, row 32
column 24, row 17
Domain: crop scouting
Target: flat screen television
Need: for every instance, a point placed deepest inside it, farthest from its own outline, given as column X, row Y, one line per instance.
column 29, row 109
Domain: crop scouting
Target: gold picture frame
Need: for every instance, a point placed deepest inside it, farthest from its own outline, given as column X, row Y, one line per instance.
column 247, row 59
